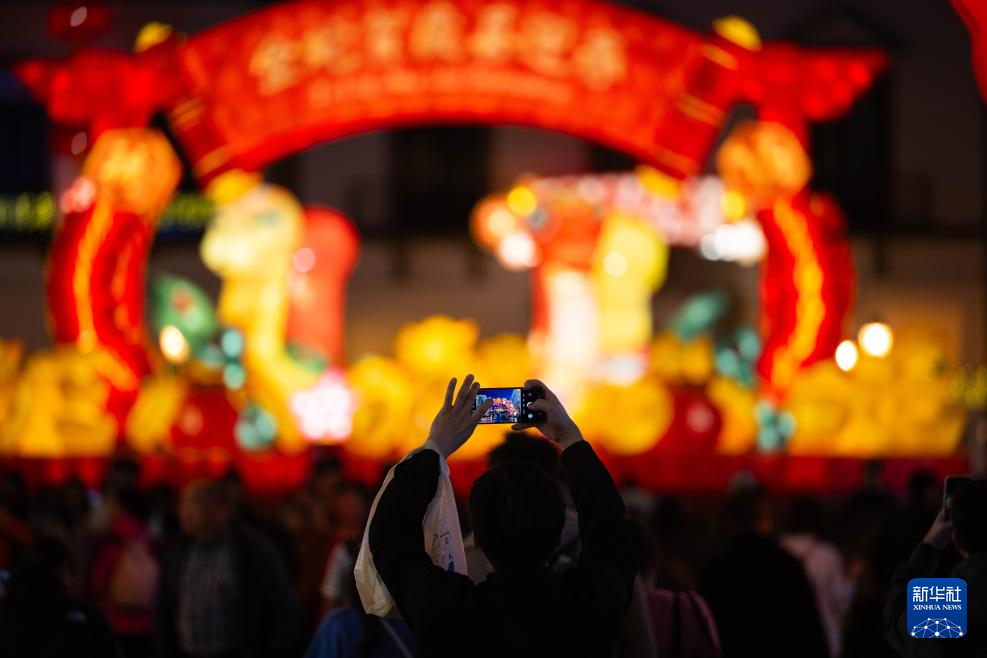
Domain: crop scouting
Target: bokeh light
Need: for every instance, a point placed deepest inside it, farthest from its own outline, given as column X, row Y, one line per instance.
column 876, row 339
column 846, row 355
column 173, row 345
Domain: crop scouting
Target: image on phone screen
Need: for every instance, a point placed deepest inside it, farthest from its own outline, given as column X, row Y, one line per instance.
column 506, row 404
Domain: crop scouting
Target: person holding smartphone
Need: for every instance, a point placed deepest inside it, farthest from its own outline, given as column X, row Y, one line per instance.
column 523, row 608
column 967, row 531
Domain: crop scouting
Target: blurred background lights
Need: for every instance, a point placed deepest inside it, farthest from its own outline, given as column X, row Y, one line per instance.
column 518, row 251
column 234, row 376
column 741, row 242
column 846, row 355
column 876, row 339
column 173, row 345
column 501, row 222
column 304, row 259
column 733, row 204
column 79, row 143
column 325, row 412
column 522, row 201
column 231, row 342
column 78, row 16
column 615, row 263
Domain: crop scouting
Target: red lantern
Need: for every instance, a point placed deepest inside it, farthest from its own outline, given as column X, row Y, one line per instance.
column 322, row 264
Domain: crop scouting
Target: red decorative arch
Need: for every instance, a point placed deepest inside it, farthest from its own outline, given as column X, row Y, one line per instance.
column 273, row 82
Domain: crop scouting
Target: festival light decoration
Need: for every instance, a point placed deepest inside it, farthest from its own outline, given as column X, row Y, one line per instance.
column 251, row 245
column 174, row 347
column 630, row 264
column 846, row 355
column 183, row 306
column 876, row 339
column 600, row 253
column 436, row 348
column 384, row 392
column 974, row 15
column 150, row 421
column 646, row 409
column 256, row 429
column 806, row 287
column 11, row 358
column 741, row 242
column 762, row 161
column 95, row 283
column 278, row 80
column 321, row 266
column 736, row 404
column 324, row 413
column 775, row 426
column 682, row 362
column 60, row 406
column 900, row 404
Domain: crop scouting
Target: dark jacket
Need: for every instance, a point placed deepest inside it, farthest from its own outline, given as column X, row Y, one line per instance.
column 54, row 627
column 269, row 620
column 762, row 602
column 922, row 564
column 534, row 613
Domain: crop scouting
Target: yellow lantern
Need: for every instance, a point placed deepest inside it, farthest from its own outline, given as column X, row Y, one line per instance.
column 502, row 361
column 630, row 265
column 737, row 405
column 385, row 399
column 763, row 161
column 645, row 410
column 438, row 347
column 149, row 423
column 59, row 407
column 677, row 362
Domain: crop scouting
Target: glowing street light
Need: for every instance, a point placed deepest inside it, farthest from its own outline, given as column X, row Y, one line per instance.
column 876, row 339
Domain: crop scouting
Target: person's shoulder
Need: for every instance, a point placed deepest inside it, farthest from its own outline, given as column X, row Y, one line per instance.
column 341, row 619
column 338, row 633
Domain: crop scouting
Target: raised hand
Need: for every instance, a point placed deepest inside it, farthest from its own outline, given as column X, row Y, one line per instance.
column 557, row 425
column 941, row 532
column 457, row 419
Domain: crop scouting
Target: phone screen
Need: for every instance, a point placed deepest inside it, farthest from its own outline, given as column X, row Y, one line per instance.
column 506, row 404
column 952, row 484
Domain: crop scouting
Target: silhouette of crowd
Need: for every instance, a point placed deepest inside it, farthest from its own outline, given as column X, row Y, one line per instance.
column 212, row 570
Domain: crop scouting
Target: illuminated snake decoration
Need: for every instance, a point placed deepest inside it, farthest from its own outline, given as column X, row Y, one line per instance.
column 278, row 261
column 95, row 282
column 99, row 255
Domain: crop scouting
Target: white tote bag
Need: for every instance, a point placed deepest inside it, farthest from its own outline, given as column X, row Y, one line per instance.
column 442, row 536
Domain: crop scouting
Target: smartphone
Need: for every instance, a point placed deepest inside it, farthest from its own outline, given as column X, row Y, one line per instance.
column 510, row 405
column 950, row 486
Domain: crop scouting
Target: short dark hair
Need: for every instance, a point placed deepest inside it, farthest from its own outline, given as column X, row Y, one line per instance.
column 806, row 516
column 744, row 510
column 969, row 510
column 524, row 447
column 517, row 514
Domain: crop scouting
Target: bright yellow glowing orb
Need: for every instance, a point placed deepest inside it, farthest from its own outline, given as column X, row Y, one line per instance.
column 522, row 201
column 876, row 339
column 615, row 263
column 733, row 205
column 846, row 355
column 738, row 31
column 174, row 347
